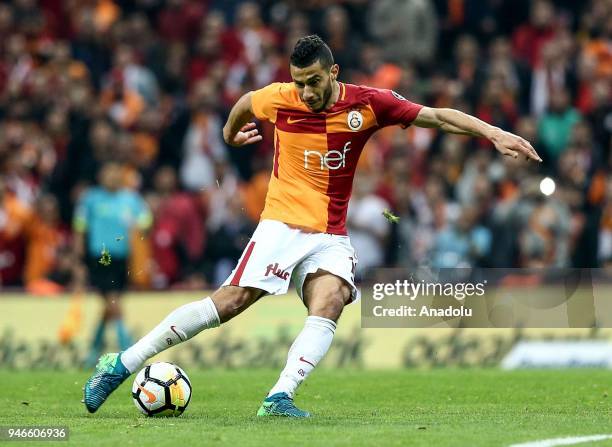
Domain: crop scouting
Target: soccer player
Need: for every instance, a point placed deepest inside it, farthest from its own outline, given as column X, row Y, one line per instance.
column 321, row 126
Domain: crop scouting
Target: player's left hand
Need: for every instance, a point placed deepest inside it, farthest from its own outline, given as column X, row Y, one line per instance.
column 248, row 134
column 512, row 145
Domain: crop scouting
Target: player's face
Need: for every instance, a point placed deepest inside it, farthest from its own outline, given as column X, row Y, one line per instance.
column 314, row 84
column 110, row 176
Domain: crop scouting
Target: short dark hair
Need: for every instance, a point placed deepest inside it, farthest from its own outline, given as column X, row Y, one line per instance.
column 310, row 49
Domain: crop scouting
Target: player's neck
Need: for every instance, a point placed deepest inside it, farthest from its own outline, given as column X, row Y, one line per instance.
column 333, row 99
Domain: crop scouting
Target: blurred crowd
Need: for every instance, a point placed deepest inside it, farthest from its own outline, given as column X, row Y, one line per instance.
column 144, row 86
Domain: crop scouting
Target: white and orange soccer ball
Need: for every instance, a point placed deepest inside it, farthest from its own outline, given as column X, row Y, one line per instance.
column 161, row 389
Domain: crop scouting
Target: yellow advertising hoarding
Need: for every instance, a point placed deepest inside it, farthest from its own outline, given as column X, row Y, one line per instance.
column 260, row 337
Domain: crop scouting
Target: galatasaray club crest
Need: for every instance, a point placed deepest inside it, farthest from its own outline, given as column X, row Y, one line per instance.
column 354, row 120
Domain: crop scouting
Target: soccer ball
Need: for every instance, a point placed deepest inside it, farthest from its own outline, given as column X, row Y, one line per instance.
column 161, row 389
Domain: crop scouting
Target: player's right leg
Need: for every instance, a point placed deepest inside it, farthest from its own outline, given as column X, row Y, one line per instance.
column 180, row 325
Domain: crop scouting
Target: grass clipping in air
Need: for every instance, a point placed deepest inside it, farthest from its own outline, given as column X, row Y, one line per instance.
column 390, row 216
column 105, row 257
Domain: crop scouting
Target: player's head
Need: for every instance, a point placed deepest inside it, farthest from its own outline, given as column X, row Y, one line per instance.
column 313, row 71
column 110, row 177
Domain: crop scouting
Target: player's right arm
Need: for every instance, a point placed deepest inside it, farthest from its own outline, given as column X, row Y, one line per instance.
column 239, row 130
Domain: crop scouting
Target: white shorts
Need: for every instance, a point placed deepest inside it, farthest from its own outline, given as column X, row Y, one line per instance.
column 278, row 254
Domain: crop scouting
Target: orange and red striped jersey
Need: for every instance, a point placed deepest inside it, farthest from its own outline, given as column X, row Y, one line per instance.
column 316, row 154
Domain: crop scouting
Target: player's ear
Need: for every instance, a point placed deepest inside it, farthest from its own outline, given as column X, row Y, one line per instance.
column 333, row 73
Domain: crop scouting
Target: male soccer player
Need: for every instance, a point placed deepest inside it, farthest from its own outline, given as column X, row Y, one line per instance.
column 321, row 126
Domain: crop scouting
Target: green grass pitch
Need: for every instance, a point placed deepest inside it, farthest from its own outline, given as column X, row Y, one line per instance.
column 462, row 407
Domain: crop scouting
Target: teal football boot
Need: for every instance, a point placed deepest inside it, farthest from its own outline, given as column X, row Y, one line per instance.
column 280, row 404
column 109, row 374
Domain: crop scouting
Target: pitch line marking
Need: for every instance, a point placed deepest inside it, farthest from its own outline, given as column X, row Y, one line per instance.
column 563, row 441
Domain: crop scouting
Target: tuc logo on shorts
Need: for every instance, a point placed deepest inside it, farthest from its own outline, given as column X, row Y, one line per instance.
column 330, row 160
column 276, row 271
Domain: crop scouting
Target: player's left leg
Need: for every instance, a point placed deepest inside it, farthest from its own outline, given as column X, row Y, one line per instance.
column 324, row 295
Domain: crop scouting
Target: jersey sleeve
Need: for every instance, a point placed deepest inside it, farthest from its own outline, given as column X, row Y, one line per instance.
column 392, row 108
column 266, row 101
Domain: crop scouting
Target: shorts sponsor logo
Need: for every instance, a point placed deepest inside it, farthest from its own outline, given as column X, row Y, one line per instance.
column 331, row 160
column 276, row 271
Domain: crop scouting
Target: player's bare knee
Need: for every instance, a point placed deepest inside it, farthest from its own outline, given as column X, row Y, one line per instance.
column 230, row 301
column 330, row 303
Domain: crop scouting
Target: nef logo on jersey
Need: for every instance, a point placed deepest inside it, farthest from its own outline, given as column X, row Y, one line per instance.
column 276, row 271
column 354, row 120
column 330, row 160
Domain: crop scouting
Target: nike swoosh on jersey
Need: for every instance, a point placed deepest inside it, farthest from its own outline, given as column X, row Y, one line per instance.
column 292, row 121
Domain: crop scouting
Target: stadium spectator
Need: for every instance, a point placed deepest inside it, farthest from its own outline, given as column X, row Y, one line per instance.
column 45, row 238
column 179, row 20
column 554, row 72
column 178, row 233
column 467, row 68
column 217, row 45
column 514, row 74
column 405, row 29
column 342, row 40
column 14, row 218
column 556, row 124
column 528, row 39
column 228, row 226
column 252, row 31
column 600, row 117
column 203, row 145
column 474, row 185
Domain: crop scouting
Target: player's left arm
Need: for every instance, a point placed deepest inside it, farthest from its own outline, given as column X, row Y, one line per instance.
column 454, row 121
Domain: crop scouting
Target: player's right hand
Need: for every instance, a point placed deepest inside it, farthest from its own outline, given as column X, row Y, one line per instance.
column 248, row 134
